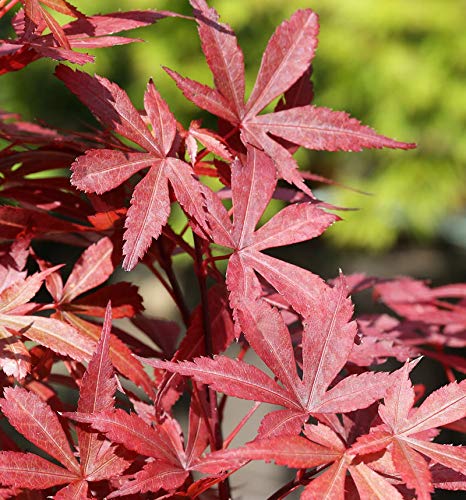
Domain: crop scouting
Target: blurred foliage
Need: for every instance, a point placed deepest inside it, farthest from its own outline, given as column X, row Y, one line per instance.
column 398, row 66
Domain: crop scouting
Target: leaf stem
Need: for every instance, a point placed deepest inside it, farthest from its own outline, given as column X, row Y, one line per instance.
column 201, row 273
column 177, row 297
column 241, row 424
column 8, row 7
column 292, row 485
column 206, row 151
column 167, row 266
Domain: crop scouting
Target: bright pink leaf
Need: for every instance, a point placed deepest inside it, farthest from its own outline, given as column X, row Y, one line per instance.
column 150, row 203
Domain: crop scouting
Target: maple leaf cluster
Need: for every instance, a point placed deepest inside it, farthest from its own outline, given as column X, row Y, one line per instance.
column 346, row 416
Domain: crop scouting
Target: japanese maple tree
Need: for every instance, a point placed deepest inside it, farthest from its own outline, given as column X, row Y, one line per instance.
column 349, row 426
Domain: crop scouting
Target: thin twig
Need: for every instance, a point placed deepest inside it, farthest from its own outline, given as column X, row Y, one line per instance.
column 201, row 273
column 236, row 430
column 167, row 266
column 8, row 7
column 292, row 485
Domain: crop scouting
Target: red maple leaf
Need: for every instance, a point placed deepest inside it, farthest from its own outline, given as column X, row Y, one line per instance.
column 285, row 60
column 16, row 320
column 328, row 338
column 252, row 186
column 408, row 431
column 37, row 422
column 101, row 170
column 324, row 456
column 162, row 442
column 92, row 269
column 85, row 32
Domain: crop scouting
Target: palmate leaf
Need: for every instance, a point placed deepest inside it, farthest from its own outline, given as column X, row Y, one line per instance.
column 252, row 186
column 404, row 431
column 322, row 449
column 52, row 333
column 38, row 423
column 101, row 170
column 163, row 442
column 325, row 352
column 286, row 58
column 93, row 268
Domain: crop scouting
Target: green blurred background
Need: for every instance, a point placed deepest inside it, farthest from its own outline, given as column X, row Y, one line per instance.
column 398, row 66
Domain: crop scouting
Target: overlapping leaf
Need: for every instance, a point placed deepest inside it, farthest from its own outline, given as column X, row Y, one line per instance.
column 16, row 320
column 407, row 432
column 252, row 186
column 163, row 442
column 92, row 269
column 97, row 460
column 327, row 342
column 40, row 424
column 85, row 32
column 327, row 458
